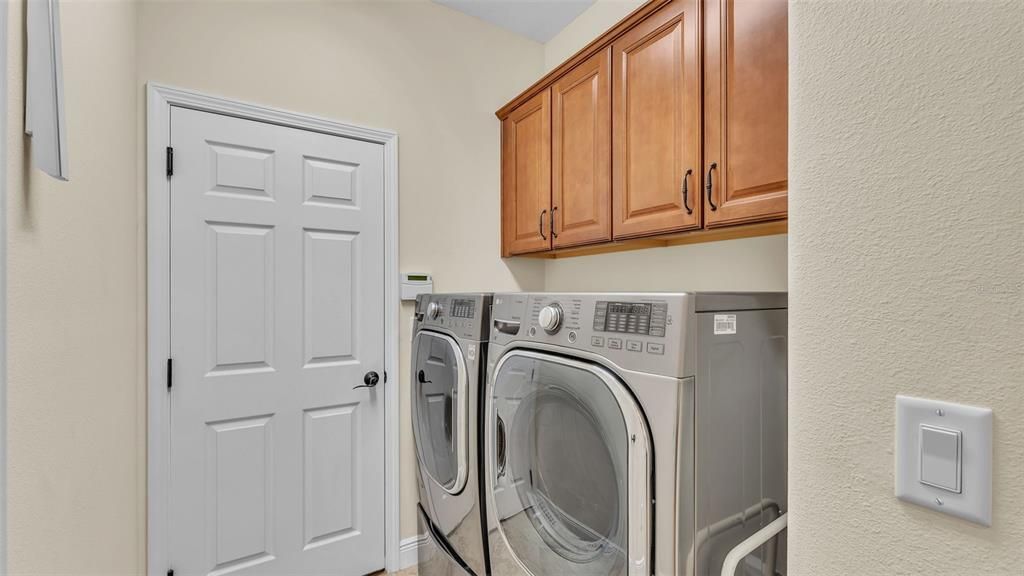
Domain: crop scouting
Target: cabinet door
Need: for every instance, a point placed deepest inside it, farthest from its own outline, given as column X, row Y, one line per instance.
column 582, row 154
column 745, row 107
column 526, row 177
column 656, row 123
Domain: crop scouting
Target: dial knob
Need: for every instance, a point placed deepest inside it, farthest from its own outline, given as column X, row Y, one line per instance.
column 434, row 310
column 550, row 318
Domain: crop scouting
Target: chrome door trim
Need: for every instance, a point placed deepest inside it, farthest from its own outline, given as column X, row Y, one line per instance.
column 462, row 434
column 638, row 460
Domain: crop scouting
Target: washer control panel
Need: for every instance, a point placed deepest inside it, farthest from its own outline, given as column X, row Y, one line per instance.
column 644, row 332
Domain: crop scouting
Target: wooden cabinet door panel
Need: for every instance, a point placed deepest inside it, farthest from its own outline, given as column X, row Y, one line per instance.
column 745, row 107
column 582, row 154
column 526, row 177
column 656, row 123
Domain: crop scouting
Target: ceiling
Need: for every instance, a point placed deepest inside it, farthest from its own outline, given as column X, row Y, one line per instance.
column 538, row 20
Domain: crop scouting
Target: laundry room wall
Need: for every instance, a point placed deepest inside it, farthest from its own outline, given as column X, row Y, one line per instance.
column 434, row 75
column 746, row 264
column 76, row 434
column 906, row 272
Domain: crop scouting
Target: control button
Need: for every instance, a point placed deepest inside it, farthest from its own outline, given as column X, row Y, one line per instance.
column 615, row 343
column 597, row 341
column 434, row 310
column 634, row 346
column 550, row 318
column 655, row 348
column 572, row 336
column 533, row 330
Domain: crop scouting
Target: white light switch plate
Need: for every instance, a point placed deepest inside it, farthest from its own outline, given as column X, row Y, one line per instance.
column 974, row 501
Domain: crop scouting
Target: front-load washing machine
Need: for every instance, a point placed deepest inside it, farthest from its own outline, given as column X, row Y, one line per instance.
column 635, row 434
column 449, row 347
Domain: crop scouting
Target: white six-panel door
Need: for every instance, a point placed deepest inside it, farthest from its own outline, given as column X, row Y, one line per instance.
column 277, row 313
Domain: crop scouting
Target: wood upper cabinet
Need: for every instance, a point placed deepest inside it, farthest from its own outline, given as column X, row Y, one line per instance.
column 581, row 154
column 670, row 127
column 656, row 123
column 526, row 177
column 745, row 110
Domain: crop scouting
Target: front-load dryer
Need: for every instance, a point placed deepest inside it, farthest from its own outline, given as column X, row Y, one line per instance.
column 449, row 347
column 634, row 434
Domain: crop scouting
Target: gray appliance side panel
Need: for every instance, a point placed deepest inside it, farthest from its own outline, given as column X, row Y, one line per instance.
column 685, row 505
column 741, row 437
column 739, row 301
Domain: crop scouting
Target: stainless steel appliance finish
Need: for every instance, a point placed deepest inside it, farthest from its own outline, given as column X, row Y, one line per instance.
column 449, row 345
column 634, row 434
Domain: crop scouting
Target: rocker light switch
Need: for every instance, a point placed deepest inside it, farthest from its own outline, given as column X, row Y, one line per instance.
column 944, row 457
column 940, row 457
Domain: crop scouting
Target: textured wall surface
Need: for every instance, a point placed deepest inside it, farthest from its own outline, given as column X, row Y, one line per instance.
column 906, row 272
column 76, row 437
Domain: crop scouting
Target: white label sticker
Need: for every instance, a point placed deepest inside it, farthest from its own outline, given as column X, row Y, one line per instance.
column 471, row 352
column 725, row 324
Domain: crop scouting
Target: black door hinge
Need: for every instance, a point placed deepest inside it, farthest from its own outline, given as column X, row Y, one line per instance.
column 385, row 377
column 170, row 373
column 170, row 572
column 170, row 161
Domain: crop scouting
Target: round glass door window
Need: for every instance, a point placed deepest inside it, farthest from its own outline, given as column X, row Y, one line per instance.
column 438, row 409
column 560, row 465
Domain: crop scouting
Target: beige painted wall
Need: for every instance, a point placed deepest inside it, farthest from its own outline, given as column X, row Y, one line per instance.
column 76, row 434
column 601, row 16
column 749, row 264
column 906, row 272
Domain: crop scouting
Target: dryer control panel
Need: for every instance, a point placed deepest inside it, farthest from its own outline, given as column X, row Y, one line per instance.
column 642, row 332
column 462, row 315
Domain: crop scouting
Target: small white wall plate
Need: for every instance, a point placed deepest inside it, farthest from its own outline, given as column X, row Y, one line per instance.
column 974, row 502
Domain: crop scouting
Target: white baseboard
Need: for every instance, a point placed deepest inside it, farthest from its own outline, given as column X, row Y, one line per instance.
column 409, row 550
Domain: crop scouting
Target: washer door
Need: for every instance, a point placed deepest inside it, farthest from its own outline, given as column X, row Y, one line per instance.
column 439, row 409
column 569, row 468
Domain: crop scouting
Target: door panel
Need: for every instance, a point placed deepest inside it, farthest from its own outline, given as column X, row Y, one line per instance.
column 277, row 311
column 656, row 123
column 440, row 409
column 526, row 177
column 581, row 152
column 746, row 107
column 577, row 438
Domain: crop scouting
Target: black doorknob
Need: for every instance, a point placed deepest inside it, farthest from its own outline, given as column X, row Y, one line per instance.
column 370, row 380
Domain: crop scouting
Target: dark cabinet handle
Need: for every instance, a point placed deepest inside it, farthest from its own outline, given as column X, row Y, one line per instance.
column 686, row 191
column 709, row 186
column 553, row 233
column 370, row 380
column 540, row 223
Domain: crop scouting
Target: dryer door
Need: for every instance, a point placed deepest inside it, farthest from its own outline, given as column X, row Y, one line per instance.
column 569, row 467
column 440, row 409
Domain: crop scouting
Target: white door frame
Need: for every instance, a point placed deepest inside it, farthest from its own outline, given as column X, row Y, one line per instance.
column 160, row 100
column 4, row 8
